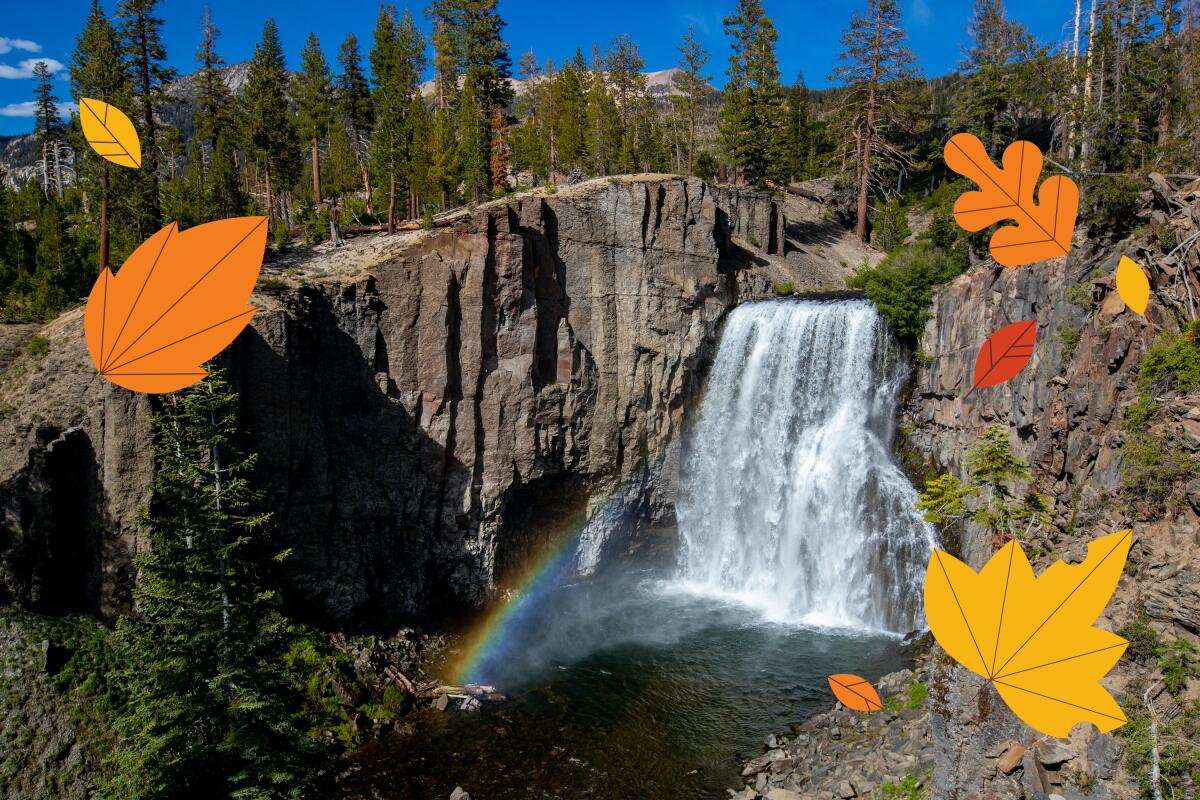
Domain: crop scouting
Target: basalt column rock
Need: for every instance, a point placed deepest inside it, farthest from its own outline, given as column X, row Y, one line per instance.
column 427, row 422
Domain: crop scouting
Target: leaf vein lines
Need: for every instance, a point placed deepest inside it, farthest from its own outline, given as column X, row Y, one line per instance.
column 1065, row 599
column 127, row 362
column 1056, row 700
column 954, row 594
column 133, row 306
column 199, row 280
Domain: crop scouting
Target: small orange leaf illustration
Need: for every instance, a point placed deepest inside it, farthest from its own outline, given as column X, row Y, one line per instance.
column 855, row 693
column 1043, row 228
column 174, row 304
column 1004, row 354
column 1033, row 636
column 110, row 133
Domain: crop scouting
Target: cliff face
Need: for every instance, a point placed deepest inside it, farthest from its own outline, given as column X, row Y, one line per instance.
column 425, row 423
column 1066, row 412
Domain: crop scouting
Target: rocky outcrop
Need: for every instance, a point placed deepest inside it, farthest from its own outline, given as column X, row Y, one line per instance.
column 847, row 754
column 1066, row 412
column 427, row 421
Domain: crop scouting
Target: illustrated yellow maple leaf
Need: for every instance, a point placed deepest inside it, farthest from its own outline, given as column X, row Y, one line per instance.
column 1033, row 636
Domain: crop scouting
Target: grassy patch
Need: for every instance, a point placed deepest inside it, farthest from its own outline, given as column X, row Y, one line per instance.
column 785, row 289
column 917, row 692
column 38, row 346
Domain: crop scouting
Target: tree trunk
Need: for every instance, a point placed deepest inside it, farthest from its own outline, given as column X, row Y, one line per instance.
column 316, row 164
column 1085, row 143
column 45, row 172
column 57, row 172
column 215, row 453
column 391, row 219
column 270, row 200
column 691, row 142
column 104, row 218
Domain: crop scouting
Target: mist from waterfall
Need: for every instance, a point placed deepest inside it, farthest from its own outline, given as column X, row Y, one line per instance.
column 791, row 501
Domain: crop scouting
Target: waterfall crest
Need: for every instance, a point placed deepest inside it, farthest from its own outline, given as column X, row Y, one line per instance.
column 791, row 501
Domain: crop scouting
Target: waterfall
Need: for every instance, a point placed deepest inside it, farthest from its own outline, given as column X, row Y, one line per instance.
column 791, row 501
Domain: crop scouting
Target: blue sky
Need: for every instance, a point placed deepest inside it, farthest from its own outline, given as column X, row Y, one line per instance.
column 808, row 32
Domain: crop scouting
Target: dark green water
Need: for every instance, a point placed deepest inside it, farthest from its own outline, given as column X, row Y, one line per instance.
column 625, row 689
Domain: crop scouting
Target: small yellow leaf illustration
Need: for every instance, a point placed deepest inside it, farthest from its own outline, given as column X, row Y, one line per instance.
column 1133, row 285
column 110, row 133
column 1032, row 636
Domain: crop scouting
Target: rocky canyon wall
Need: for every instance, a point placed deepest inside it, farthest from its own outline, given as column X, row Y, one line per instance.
column 424, row 423
column 1065, row 412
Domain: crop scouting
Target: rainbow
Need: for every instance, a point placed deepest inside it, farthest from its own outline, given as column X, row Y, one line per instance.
column 493, row 636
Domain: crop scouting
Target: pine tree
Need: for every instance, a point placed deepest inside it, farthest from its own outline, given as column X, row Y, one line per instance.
column 223, row 184
column 145, row 57
column 314, row 111
column 753, row 119
column 692, row 86
column 603, row 119
column 213, row 101
column 48, row 127
column 800, row 149
column 472, row 153
column 984, row 103
column 354, row 105
column 498, row 163
column 397, row 59
column 267, row 121
column 420, row 124
column 97, row 72
column 443, row 161
column 876, row 68
column 624, row 65
column 208, row 713
column 568, row 114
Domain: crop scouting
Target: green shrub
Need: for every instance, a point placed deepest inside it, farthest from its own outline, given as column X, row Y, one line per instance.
column 1113, row 204
column 902, row 285
column 38, row 346
column 1080, row 294
column 1152, row 466
column 1140, row 414
column 889, row 226
column 1070, row 340
column 910, row 787
column 917, row 692
column 1143, row 639
column 785, row 289
column 1173, row 363
column 272, row 284
column 1178, row 662
column 706, row 166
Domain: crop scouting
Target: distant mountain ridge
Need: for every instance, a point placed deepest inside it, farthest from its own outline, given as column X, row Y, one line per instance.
column 18, row 154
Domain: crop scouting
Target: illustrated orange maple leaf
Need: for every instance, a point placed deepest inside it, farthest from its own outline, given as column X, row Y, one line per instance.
column 1033, row 636
column 174, row 304
column 1043, row 227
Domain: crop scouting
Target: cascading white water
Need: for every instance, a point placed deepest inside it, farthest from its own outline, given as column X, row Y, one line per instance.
column 791, row 501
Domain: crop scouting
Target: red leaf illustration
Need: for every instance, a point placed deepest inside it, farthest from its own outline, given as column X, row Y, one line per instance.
column 1005, row 353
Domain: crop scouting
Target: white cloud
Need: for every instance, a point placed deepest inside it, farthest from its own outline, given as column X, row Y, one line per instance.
column 29, row 109
column 25, row 68
column 8, row 45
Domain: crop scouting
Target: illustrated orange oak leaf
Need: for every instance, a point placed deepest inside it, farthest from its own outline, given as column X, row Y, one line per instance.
column 855, row 693
column 1044, row 226
column 1132, row 285
column 1004, row 354
column 110, row 133
column 1033, row 636
column 174, row 304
